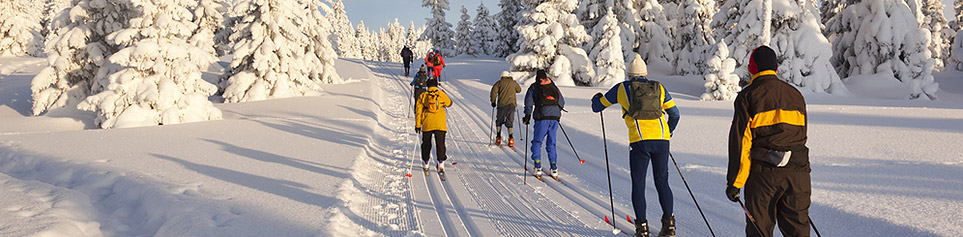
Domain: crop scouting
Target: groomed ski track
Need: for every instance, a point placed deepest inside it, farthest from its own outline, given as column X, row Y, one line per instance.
column 487, row 192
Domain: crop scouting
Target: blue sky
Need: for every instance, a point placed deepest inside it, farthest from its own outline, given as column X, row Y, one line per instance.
column 377, row 13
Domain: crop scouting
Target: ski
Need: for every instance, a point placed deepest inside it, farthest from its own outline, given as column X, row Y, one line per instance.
column 441, row 175
column 427, row 173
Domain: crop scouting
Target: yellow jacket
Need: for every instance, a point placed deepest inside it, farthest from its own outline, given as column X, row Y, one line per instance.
column 429, row 121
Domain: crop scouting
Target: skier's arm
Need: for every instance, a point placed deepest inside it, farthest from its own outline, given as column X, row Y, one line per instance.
column 445, row 100
column 494, row 92
column 529, row 100
column 418, row 110
column 608, row 99
column 673, row 111
column 739, row 144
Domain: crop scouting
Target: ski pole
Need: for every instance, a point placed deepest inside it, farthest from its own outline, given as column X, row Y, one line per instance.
column 525, row 179
column 607, row 172
column 580, row 160
column 691, row 195
column 753, row 220
column 492, row 128
column 814, row 227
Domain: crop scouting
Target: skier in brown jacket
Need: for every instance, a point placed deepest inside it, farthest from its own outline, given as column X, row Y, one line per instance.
column 503, row 98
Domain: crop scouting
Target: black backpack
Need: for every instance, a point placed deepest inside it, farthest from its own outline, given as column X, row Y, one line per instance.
column 422, row 80
column 436, row 59
column 546, row 95
column 644, row 101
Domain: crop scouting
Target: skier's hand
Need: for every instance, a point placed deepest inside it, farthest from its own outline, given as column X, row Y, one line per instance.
column 417, row 130
column 493, row 104
column 526, row 119
column 597, row 96
column 732, row 193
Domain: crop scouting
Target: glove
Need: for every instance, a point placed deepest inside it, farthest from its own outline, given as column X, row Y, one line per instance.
column 526, row 119
column 732, row 193
column 597, row 96
column 493, row 104
column 417, row 130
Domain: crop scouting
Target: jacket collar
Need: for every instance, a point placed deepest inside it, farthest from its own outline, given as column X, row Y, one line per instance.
column 639, row 78
column 762, row 73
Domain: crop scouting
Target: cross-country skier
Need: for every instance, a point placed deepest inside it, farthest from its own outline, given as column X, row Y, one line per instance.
column 544, row 103
column 767, row 151
column 503, row 99
column 431, row 121
column 651, row 116
column 419, row 83
column 406, row 58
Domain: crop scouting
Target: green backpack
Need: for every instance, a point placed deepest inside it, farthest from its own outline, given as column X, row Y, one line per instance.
column 645, row 102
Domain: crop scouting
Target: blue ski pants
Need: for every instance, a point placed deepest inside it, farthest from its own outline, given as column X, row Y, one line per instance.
column 656, row 151
column 545, row 131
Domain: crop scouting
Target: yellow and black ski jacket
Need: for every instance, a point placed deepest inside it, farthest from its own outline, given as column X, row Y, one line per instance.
column 770, row 115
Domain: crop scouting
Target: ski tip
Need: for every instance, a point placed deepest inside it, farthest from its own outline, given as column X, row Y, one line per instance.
column 607, row 220
column 408, row 175
column 628, row 219
column 583, row 161
column 454, row 163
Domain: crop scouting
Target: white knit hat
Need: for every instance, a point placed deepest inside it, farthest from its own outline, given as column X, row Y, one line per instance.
column 506, row 74
column 637, row 67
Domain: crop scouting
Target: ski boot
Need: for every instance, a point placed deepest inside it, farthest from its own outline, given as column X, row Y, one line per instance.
column 668, row 226
column 555, row 173
column 440, row 166
column 538, row 172
column 511, row 142
column 641, row 228
column 498, row 141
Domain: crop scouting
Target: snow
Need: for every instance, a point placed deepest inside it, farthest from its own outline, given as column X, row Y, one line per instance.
column 336, row 165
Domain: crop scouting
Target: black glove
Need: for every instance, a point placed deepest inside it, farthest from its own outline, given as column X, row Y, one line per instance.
column 417, row 130
column 493, row 104
column 597, row 96
column 732, row 193
column 526, row 119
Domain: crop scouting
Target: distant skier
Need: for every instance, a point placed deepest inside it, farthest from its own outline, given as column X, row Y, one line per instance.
column 431, row 121
column 419, row 84
column 767, row 151
column 406, row 58
column 435, row 63
column 651, row 116
column 544, row 102
column 429, row 62
column 503, row 97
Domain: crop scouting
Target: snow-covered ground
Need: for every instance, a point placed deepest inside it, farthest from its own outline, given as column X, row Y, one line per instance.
column 337, row 165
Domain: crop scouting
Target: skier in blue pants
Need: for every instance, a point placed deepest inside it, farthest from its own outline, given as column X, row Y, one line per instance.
column 544, row 103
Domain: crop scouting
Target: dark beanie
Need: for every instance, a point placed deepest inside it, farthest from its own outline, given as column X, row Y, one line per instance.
column 541, row 74
column 432, row 82
column 762, row 59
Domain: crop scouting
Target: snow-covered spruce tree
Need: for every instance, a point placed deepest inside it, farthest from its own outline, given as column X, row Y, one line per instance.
column 957, row 47
column 885, row 39
column 20, row 29
column 209, row 18
column 507, row 42
column 551, row 40
column 53, row 9
column 721, row 82
column 607, row 53
column 76, row 55
column 439, row 31
column 828, row 10
column 590, row 12
column 940, row 39
column 345, row 43
column 367, row 49
column 743, row 25
column 484, row 32
column 279, row 51
column 655, row 37
column 396, row 41
column 420, row 46
column 802, row 50
column 155, row 78
column 695, row 39
column 463, row 33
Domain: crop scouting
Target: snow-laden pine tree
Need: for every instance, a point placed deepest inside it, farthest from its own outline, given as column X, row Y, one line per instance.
column 439, row 31
column 392, row 41
column 940, row 38
column 53, row 9
column 20, row 28
column 956, row 54
column 507, row 42
column 655, row 37
column 345, row 43
column 463, row 33
column 590, row 12
column 366, row 45
column 281, row 50
column 484, row 33
column 76, row 55
column 721, row 81
column 607, row 53
column 885, row 39
column 209, row 18
column 695, row 39
column 418, row 46
column 155, row 77
column 828, row 10
column 803, row 52
column 743, row 25
column 551, row 40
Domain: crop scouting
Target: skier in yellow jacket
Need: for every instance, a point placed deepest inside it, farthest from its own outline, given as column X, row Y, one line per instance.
column 431, row 121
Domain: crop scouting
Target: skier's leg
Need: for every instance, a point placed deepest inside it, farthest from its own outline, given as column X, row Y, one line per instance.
column 638, row 164
column 760, row 192
column 659, row 151
column 550, row 141
column 440, row 143
column 792, row 211
column 425, row 146
column 540, row 132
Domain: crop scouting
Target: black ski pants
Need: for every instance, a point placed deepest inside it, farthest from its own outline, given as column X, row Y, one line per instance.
column 439, row 142
column 774, row 195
